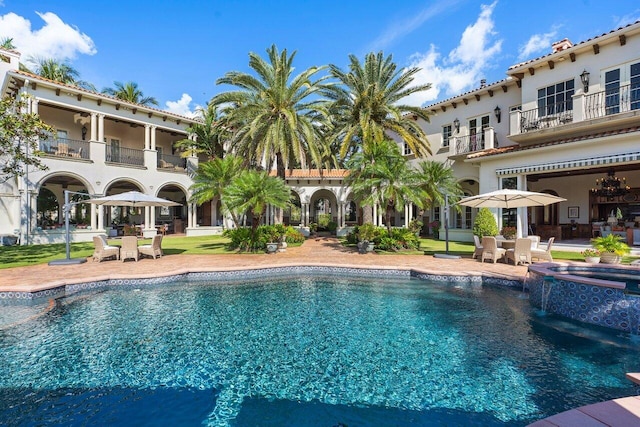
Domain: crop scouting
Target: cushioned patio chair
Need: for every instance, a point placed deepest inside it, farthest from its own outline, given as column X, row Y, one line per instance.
column 490, row 249
column 543, row 254
column 129, row 248
column 477, row 252
column 535, row 241
column 154, row 249
column 521, row 253
column 102, row 250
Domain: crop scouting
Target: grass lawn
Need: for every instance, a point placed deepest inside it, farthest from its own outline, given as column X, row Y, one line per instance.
column 17, row 256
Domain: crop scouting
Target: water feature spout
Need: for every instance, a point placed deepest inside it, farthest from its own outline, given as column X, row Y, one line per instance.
column 547, row 282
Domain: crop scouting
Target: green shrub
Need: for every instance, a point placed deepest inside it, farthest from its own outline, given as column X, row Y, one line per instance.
column 323, row 221
column 611, row 243
column 241, row 238
column 415, row 226
column 368, row 232
column 485, row 224
column 293, row 236
column 332, row 226
column 352, row 236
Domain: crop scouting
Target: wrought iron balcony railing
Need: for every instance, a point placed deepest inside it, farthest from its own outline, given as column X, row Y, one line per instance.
column 612, row 101
column 123, row 155
column 65, row 148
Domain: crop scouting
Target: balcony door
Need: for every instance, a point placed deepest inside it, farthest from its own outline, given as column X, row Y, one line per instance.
column 622, row 89
column 477, row 125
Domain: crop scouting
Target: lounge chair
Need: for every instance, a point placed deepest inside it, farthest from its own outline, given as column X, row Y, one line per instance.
column 154, row 249
column 521, row 253
column 129, row 248
column 490, row 249
column 62, row 150
column 102, row 250
column 477, row 252
column 543, row 254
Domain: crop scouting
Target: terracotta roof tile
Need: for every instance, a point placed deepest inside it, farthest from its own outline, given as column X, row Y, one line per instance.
column 102, row 95
column 313, row 173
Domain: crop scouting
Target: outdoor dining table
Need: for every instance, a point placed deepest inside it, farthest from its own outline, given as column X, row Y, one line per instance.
column 506, row 243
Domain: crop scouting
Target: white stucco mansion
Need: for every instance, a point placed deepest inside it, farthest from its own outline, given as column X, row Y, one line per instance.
column 558, row 123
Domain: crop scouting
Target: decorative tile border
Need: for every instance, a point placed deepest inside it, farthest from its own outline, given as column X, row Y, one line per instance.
column 599, row 305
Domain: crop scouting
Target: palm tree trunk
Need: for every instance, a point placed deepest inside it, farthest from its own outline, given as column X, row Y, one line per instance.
column 387, row 217
column 278, row 217
column 367, row 214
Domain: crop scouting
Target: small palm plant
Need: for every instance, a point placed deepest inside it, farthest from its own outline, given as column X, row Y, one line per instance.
column 612, row 248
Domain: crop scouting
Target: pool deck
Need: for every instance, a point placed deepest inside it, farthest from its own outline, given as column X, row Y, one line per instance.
column 321, row 251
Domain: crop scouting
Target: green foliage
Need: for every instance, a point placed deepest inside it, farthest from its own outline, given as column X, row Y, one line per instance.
column 323, row 221
column 485, row 224
column 293, row 236
column 415, row 226
column 367, row 104
column 244, row 239
column 19, row 139
column 313, row 227
column 332, row 226
column 211, row 134
column 129, row 92
column 509, row 232
column 368, row 232
column 62, row 72
column 611, row 243
column 273, row 112
column 399, row 239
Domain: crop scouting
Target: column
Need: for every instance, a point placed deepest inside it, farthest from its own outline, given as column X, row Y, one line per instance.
column 189, row 215
column 375, row 214
column 101, row 217
column 153, row 137
column 147, row 137
column 94, row 217
column 194, row 221
column 380, row 217
column 101, row 127
column 94, row 127
column 34, row 106
column 147, row 217
column 522, row 226
column 152, row 218
column 406, row 215
column 340, row 213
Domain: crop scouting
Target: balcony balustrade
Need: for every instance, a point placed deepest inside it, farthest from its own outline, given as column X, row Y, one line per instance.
column 125, row 156
column 469, row 143
column 65, row 148
column 620, row 99
column 548, row 116
column 169, row 162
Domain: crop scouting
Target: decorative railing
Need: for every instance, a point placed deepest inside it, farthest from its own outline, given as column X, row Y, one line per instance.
column 65, row 148
column 468, row 143
column 612, row 101
column 123, row 155
column 167, row 161
column 549, row 116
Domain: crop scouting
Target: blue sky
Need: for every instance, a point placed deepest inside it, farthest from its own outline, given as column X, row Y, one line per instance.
column 175, row 50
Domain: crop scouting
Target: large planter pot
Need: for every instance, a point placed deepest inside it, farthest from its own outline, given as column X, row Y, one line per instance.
column 610, row 258
column 369, row 247
column 282, row 246
column 592, row 259
column 272, row 248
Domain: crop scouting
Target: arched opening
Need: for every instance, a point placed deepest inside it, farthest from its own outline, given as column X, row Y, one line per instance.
column 49, row 203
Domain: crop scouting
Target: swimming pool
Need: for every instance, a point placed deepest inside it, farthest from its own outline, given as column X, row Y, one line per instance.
column 311, row 351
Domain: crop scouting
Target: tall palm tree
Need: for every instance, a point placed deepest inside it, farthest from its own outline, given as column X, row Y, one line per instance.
column 62, row 72
column 253, row 191
column 381, row 175
column 365, row 104
column 129, row 92
column 211, row 134
column 272, row 113
column 7, row 43
column 437, row 180
column 212, row 178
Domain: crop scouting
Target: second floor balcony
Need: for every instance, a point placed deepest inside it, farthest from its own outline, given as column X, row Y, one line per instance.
column 609, row 109
column 465, row 144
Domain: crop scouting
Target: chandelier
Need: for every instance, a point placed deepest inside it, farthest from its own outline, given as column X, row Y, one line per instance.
column 611, row 186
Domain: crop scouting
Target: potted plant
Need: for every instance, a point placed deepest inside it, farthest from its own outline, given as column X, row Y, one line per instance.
column 366, row 234
column 508, row 232
column 611, row 248
column 313, row 228
column 273, row 238
column 591, row 256
column 281, row 236
column 415, row 225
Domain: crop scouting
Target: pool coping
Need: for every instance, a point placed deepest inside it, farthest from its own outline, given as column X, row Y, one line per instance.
column 546, row 270
column 60, row 287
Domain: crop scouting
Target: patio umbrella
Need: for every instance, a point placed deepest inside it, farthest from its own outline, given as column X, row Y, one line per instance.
column 133, row 199
column 510, row 199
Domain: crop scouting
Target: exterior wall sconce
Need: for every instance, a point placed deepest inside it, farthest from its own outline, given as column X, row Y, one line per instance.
column 584, row 78
column 498, row 112
column 456, row 125
column 84, row 132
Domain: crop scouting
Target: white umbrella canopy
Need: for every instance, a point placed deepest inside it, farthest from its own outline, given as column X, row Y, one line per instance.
column 510, row 199
column 133, row 199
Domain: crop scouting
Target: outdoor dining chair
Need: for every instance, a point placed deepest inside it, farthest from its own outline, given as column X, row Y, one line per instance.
column 129, row 248
column 103, row 250
column 154, row 249
column 543, row 254
column 521, row 253
column 490, row 249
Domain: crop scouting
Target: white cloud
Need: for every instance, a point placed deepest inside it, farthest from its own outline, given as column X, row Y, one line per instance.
column 537, row 43
column 630, row 18
column 55, row 39
column 181, row 106
column 462, row 68
column 401, row 29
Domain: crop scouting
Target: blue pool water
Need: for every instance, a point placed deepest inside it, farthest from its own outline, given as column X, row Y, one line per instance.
column 303, row 352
